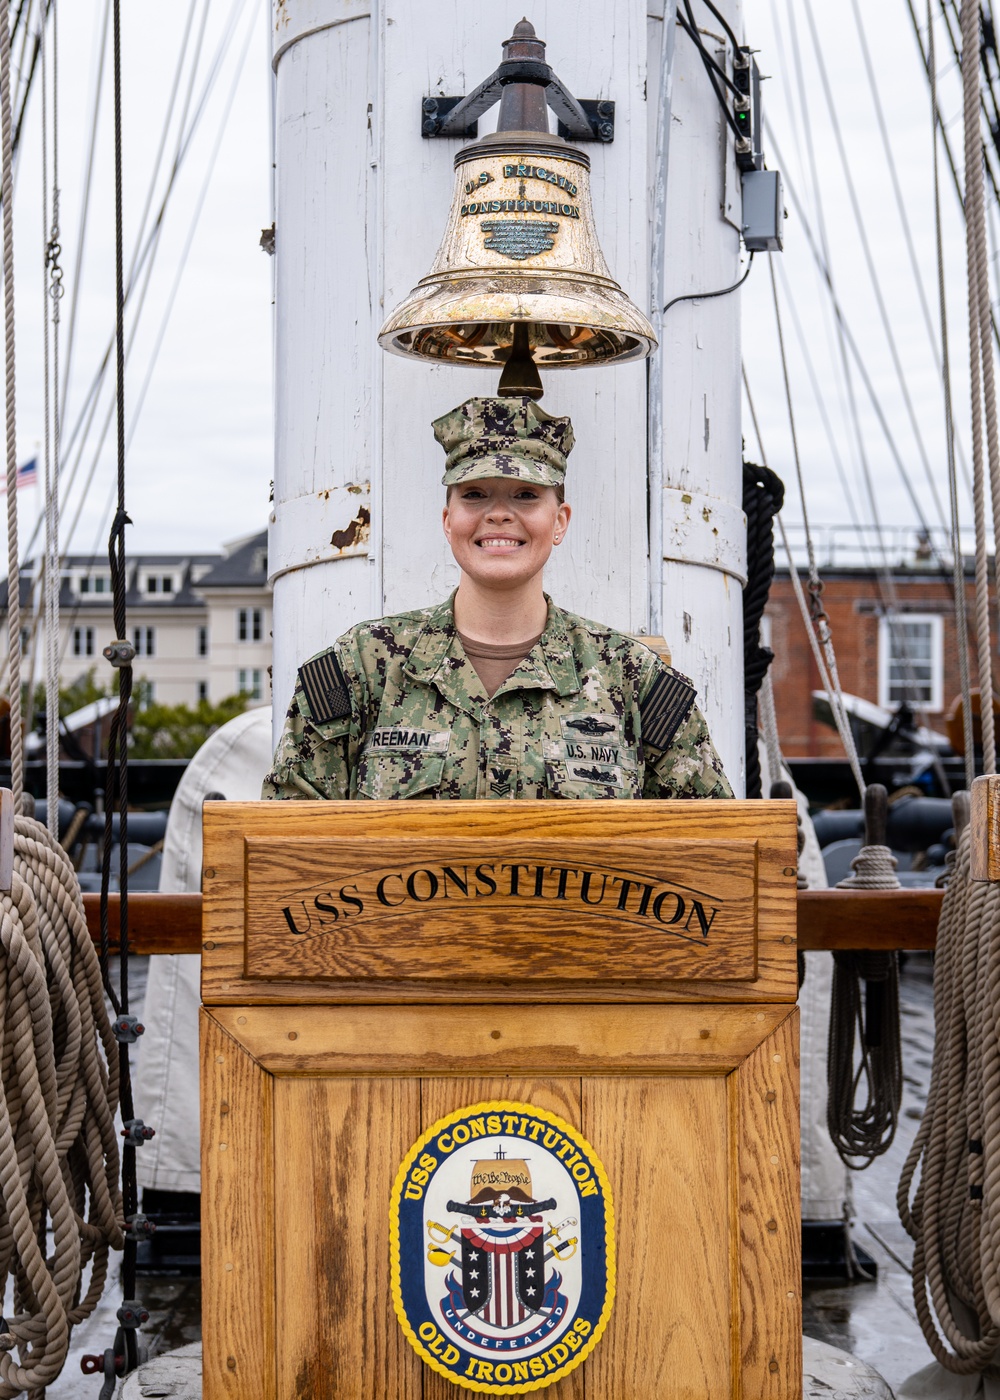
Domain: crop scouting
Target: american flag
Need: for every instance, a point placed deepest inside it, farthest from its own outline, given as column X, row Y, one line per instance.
column 27, row 475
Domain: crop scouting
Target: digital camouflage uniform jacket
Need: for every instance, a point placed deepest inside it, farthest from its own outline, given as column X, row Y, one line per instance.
column 395, row 709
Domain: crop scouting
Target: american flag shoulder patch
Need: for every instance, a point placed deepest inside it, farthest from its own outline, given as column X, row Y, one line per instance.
column 325, row 689
column 664, row 708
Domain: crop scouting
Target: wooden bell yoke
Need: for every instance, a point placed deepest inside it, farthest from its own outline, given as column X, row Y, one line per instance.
column 625, row 970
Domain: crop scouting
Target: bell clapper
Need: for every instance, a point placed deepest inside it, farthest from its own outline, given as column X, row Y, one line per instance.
column 520, row 376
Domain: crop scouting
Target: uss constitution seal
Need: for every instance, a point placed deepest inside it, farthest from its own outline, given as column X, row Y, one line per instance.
column 502, row 1232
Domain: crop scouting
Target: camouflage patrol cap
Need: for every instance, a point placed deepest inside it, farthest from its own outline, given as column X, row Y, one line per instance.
column 504, row 437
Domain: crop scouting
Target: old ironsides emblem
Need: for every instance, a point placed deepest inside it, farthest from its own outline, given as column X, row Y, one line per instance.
column 503, row 1264
column 519, row 238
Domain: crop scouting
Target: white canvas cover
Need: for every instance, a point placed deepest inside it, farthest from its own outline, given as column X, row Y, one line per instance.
column 233, row 761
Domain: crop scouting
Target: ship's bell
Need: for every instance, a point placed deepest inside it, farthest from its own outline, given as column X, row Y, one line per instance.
column 519, row 279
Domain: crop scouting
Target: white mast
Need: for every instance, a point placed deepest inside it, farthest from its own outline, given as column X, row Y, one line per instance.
column 361, row 204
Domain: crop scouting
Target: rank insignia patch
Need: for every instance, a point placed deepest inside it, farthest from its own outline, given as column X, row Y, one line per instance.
column 503, row 1262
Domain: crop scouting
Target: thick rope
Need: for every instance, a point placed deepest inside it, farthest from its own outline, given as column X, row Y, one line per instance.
column 980, row 364
column 53, row 290
column 954, row 1214
column 58, row 1093
column 862, row 1133
column 13, row 562
column 957, row 560
column 763, row 495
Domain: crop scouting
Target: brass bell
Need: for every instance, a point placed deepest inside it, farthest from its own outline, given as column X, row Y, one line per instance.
column 519, row 279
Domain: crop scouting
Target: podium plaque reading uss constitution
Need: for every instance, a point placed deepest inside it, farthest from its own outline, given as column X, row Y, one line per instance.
column 500, row 1096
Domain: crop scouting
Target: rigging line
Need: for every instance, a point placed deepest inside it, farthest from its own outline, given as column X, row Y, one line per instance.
column 81, row 237
column 815, row 584
column 838, row 355
column 141, row 396
column 144, row 264
column 881, row 572
column 958, row 560
column 813, row 574
column 973, row 207
column 852, row 345
column 182, row 263
column 55, row 292
column 870, row 263
column 818, row 622
column 154, row 174
column 834, row 695
column 817, row 196
column 829, row 679
column 904, row 217
column 947, row 146
column 149, row 248
column 753, row 415
column 51, row 651
column 170, row 107
column 13, row 570
column 956, row 49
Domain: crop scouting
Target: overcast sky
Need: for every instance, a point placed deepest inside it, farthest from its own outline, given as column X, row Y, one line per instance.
column 200, row 450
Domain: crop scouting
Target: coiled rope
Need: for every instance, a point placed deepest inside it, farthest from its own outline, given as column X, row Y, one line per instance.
column 954, row 1218
column 953, row 1215
column 58, row 1094
column 863, row 1131
column 60, row 1063
column 763, row 495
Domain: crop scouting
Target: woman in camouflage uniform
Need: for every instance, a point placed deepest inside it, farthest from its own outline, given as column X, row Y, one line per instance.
column 497, row 692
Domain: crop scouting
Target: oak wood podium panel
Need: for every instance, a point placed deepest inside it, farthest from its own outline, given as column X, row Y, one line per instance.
column 626, row 969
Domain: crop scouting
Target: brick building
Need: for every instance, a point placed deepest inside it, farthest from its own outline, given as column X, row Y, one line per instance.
column 905, row 648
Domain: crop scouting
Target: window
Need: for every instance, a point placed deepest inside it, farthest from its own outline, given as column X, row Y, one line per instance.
column 160, row 583
column 144, row 641
column 83, row 641
column 202, row 641
column 202, row 690
column 248, row 682
column 95, row 583
column 25, row 640
column 911, row 660
column 251, row 624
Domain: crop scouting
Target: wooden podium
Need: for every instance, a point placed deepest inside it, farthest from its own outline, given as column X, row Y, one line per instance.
column 370, row 967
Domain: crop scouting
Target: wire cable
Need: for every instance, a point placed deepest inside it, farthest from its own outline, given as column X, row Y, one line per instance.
column 707, row 296
column 709, row 63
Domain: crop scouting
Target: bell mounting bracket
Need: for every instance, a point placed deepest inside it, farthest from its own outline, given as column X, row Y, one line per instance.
column 579, row 119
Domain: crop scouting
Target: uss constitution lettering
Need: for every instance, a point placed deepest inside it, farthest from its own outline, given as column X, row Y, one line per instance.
column 455, row 908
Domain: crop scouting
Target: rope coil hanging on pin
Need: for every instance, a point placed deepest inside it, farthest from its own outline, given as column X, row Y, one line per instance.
column 953, row 1214
column 862, row 1133
column 763, row 496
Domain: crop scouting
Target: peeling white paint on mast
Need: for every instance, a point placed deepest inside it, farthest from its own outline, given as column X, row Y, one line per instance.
column 361, row 203
column 703, row 526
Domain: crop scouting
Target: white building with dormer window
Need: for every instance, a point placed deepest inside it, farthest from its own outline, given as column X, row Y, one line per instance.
column 200, row 623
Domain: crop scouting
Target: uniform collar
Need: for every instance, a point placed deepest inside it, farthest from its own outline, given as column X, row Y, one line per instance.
column 437, row 659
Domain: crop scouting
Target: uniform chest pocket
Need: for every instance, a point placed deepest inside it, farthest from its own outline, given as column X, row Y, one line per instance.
column 400, row 775
column 592, row 765
column 574, row 778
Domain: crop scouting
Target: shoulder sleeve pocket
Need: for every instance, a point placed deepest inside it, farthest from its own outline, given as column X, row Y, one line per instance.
column 325, row 689
column 664, row 708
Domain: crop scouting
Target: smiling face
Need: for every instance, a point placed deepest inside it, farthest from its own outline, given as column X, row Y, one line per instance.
column 502, row 529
